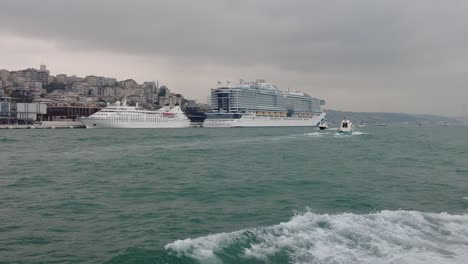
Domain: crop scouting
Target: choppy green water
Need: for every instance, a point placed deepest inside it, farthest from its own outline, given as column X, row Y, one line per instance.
column 276, row 195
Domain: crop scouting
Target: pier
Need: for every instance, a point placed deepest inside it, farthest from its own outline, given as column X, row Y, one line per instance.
column 46, row 125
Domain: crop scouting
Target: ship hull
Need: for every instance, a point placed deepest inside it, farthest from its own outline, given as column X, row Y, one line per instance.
column 265, row 122
column 104, row 123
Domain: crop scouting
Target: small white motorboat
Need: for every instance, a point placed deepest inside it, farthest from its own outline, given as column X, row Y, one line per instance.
column 323, row 125
column 346, row 126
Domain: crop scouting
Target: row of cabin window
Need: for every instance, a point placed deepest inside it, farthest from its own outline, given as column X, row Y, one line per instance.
column 135, row 120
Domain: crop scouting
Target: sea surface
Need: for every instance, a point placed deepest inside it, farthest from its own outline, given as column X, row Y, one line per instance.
column 391, row 194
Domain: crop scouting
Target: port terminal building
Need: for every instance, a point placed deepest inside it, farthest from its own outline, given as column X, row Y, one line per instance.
column 12, row 112
column 68, row 113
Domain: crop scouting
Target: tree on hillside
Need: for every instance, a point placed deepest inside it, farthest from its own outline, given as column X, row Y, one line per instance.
column 50, row 87
column 22, row 96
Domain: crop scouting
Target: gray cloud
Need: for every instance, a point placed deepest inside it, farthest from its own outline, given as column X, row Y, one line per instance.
column 355, row 47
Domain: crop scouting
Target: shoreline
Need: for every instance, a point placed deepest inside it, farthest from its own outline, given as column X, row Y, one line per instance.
column 47, row 125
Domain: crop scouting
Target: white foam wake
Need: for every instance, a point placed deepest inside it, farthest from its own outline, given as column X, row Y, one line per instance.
column 347, row 135
column 384, row 237
column 315, row 134
column 357, row 133
column 336, row 134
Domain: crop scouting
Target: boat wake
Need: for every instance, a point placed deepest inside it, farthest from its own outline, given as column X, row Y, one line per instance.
column 316, row 134
column 335, row 134
column 383, row 237
column 358, row 133
column 354, row 133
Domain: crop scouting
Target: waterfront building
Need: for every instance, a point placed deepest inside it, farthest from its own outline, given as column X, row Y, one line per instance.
column 30, row 75
column 57, row 113
column 22, row 113
column 128, row 84
column 4, row 75
column 61, row 78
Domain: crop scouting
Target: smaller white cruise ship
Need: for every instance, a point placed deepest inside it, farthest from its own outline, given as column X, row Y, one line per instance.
column 119, row 115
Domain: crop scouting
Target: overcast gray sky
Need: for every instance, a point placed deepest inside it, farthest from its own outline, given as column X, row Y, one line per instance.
column 361, row 55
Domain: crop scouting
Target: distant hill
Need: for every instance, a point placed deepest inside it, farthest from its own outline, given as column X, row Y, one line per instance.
column 371, row 118
column 463, row 119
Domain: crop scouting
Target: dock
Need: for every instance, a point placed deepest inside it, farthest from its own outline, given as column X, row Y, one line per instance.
column 46, row 125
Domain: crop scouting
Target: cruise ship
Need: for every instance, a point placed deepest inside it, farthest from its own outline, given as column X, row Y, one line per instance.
column 261, row 104
column 120, row 115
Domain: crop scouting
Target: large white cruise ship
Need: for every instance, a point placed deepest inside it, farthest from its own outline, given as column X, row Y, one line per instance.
column 119, row 115
column 260, row 104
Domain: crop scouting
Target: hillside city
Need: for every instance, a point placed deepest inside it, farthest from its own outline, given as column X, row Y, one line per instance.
column 37, row 85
